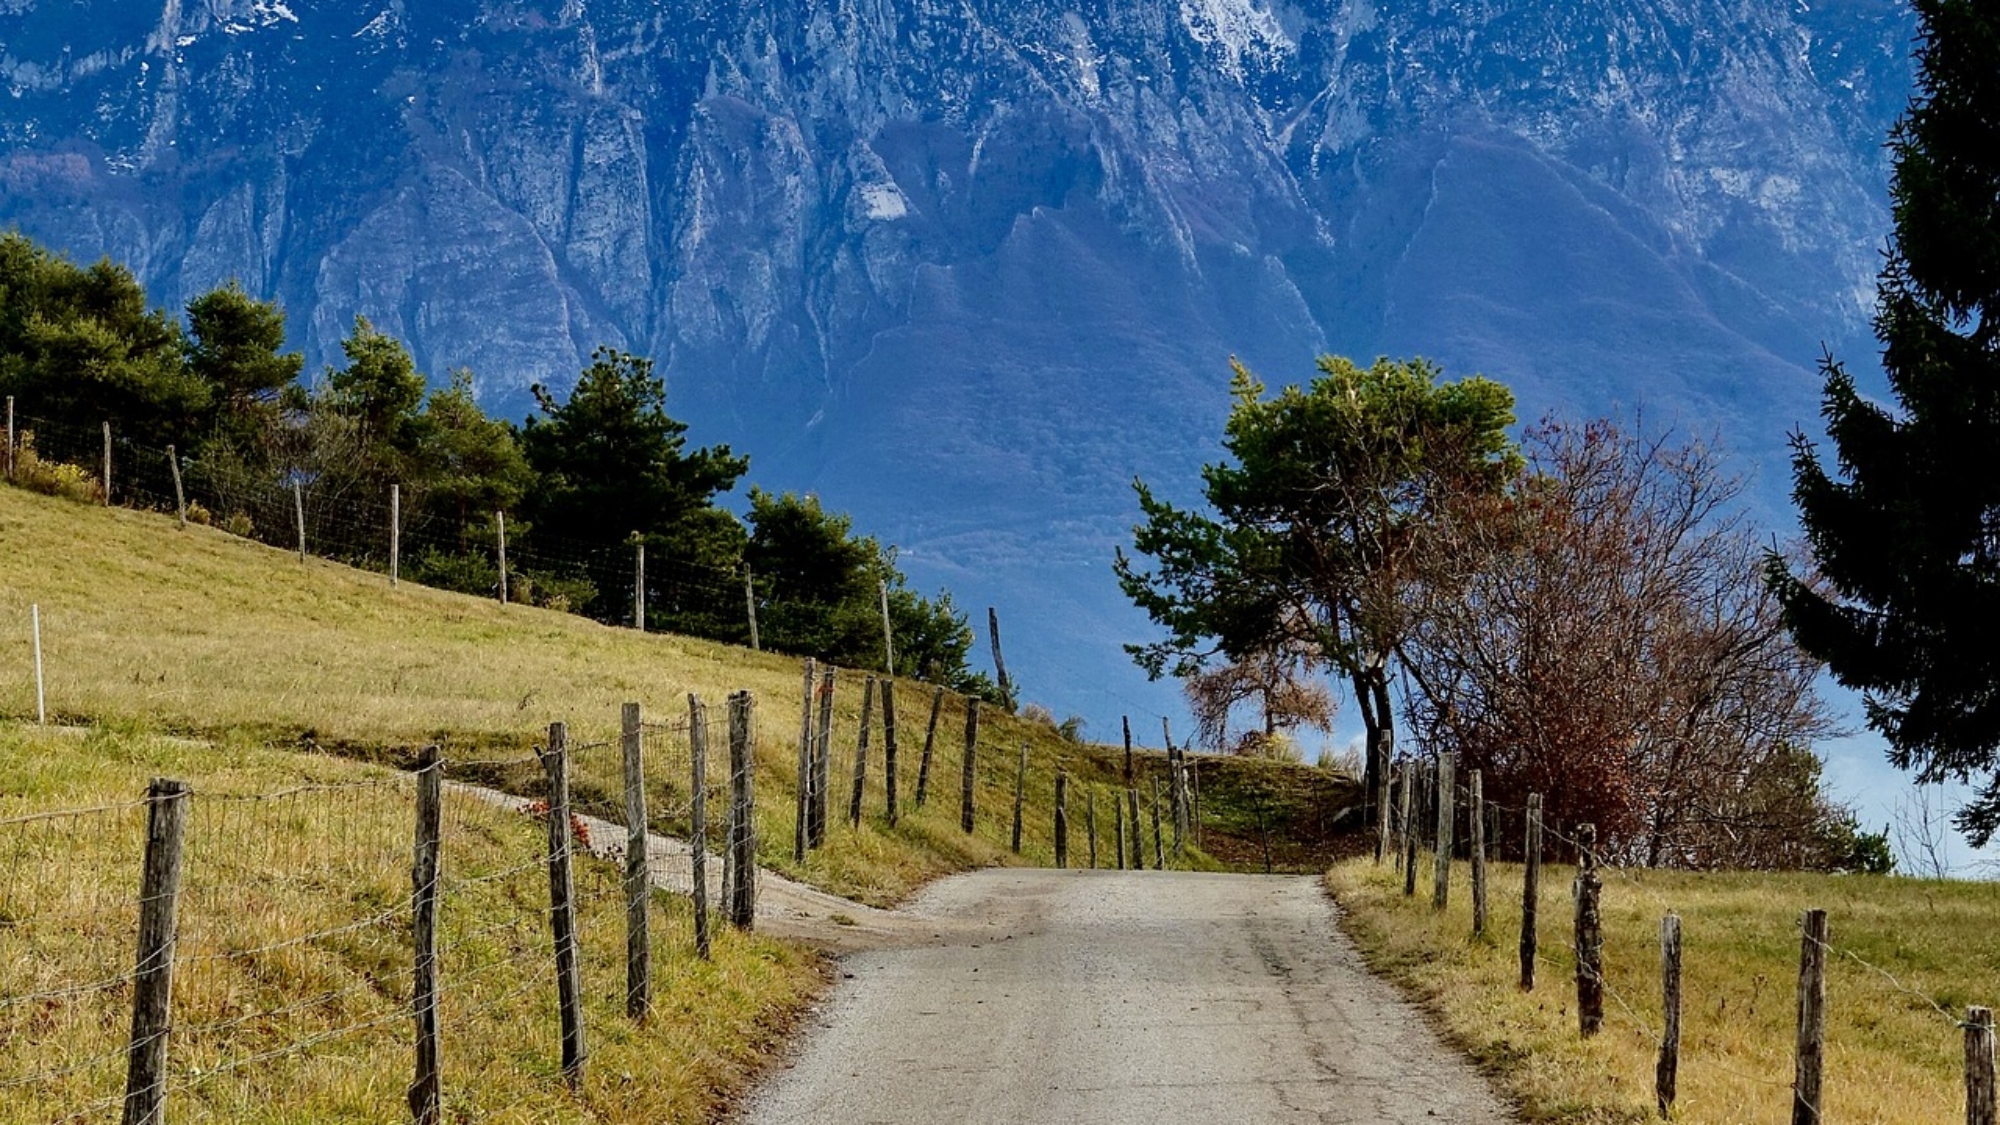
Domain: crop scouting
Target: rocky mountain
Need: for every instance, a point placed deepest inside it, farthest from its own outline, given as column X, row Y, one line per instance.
column 967, row 266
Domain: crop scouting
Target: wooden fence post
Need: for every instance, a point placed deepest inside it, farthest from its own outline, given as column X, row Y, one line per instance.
column 888, row 634
column 1666, row 1075
column 965, row 773
column 107, row 464
column 1531, row 889
column 1383, row 841
column 639, row 586
column 562, row 905
column 1138, row 833
column 1090, row 823
column 1410, row 830
column 638, row 872
column 999, row 662
column 1589, row 936
column 889, row 747
column 180, row 494
column 1812, row 1019
column 1020, row 795
column 742, row 768
column 425, row 1094
column 500, row 544
column 1979, row 1095
column 1118, row 827
column 750, row 607
column 1159, row 845
column 1126, row 720
column 10, row 437
column 930, row 739
column 822, row 762
column 1062, row 820
column 803, row 815
column 698, row 818
column 1477, row 824
column 299, row 514
column 861, row 752
column 1447, row 807
column 153, row 979
column 395, row 526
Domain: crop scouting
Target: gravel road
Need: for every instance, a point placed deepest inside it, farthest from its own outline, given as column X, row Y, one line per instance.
column 1026, row 996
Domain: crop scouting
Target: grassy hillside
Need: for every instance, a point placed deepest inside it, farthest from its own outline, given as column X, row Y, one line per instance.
column 1907, row 958
column 293, row 958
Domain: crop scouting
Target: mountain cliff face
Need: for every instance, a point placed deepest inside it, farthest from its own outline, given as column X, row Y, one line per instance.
column 966, row 266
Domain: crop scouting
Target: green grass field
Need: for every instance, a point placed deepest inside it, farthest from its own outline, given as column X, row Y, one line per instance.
column 1892, row 1057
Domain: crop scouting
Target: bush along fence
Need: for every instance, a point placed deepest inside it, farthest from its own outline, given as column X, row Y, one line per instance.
column 865, row 778
column 1426, row 806
column 380, row 531
column 269, row 925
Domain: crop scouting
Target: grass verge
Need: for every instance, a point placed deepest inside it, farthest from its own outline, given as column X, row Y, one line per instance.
column 293, row 962
column 1906, row 949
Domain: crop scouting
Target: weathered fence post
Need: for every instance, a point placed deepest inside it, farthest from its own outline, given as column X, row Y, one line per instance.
column 10, row 437
column 1383, row 842
column 180, row 494
column 1447, row 806
column 425, row 1094
column 1062, row 820
column 888, row 634
column 1118, row 827
column 107, row 464
column 638, row 872
column 299, row 514
column 1126, row 721
column 395, row 524
column 1138, row 832
column 1666, row 1075
column 639, row 586
column 930, row 739
column 1812, row 1018
column 1979, row 1096
column 1020, row 795
column 750, row 607
column 698, row 818
column 861, row 752
column 1531, row 889
column 965, row 778
column 500, row 546
column 562, row 905
column 1410, row 830
column 743, row 811
column 1159, row 845
column 889, row 747
column 802, row 820
column 1589, row 936
column 822, row 784
column 153, row 979
column 999, row 662
column 1090, row 823
column 1477, row 824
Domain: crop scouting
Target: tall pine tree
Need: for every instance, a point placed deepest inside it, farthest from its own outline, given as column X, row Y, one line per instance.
column 1905, row 529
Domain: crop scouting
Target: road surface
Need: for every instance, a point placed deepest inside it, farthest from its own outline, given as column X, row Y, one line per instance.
column 1027, row 996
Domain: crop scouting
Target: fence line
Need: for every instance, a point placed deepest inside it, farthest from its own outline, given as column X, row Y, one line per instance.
column 1816, row 950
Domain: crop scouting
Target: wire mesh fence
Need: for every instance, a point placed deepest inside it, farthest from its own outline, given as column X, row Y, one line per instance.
column 292, row 947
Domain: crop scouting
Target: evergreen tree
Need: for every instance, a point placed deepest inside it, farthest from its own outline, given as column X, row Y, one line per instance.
column 1905, row 530
column 233, row 346
column 614, row 465
column 470, row 465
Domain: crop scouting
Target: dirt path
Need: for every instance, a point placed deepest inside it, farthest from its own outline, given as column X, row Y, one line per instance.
column 1112, row 997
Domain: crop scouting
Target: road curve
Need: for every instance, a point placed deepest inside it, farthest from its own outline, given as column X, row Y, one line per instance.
column 1120, row 997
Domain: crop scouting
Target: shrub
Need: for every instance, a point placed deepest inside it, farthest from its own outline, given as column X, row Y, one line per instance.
column 53, row 478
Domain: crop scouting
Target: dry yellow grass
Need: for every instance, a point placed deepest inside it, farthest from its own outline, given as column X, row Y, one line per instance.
column 1892, row 1057
column 204, row 633
column 293, row 965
